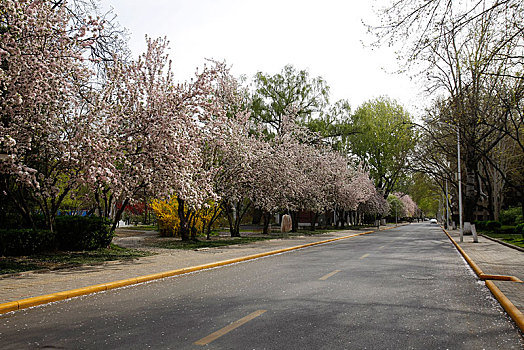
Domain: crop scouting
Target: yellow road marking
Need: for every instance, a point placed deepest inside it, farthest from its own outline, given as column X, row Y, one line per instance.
column 325, row 277
column 382, row 246
column 364, row 256
column 229, row 328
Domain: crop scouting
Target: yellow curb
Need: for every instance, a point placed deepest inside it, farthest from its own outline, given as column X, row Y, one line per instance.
column 511, row 309
column 8, row 307
column 49, row 298
column 481, row 275
column 500, row 278
column 42, row 299
column 471, row 263
column 119, row 284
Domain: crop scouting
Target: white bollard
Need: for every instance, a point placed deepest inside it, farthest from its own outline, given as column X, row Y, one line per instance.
column 474, row 232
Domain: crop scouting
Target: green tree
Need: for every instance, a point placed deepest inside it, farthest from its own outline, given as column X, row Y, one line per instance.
column 425, row 192
column 332, row 125
column 290, row 91
column 381, row 137
column 396, row 207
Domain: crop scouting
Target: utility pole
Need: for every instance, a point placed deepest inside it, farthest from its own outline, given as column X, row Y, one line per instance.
column 460, row 186
column 447, row 207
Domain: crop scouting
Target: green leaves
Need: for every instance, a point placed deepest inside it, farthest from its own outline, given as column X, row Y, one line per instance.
column 381, row 137
column 290, row 91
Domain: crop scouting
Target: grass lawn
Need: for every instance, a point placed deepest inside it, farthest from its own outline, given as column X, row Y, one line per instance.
column 215, row 241
column 175, row 243
column 140, row 227
column 515, row 239
column 57, row 260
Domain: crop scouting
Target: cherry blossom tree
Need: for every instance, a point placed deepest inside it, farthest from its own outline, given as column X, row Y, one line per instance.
column 44, row 83
column 285, row 174
column 133, row 131
column 235, row 161
column 375, row 206
column 155, row 134
column 410, row 207
column 295, row 175
column 353, row 186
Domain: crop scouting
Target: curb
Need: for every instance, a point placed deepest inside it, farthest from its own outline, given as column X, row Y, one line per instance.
column 481, row 275
column 49, row 298
column 503, row 243
column 510, row 308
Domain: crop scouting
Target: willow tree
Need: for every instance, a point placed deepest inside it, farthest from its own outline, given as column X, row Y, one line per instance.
column 290, row 91
column 381, row 138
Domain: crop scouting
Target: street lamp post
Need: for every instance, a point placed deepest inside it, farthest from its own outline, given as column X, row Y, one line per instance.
column 459, row 186
column 447, row 206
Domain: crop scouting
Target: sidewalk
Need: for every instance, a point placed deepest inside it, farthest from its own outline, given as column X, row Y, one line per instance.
column 496, row 259
column 32, row 284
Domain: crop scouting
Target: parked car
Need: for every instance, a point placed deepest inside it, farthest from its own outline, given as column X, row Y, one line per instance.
column 433, row 221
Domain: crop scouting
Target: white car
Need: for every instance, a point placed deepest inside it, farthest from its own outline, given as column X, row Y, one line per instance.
column 433, row 221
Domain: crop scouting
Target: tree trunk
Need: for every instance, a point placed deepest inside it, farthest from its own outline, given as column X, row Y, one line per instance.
column 235, row 213
column 209, row 224
column 471, row 195
column 294, row 221
column 491, row 200
column 266, row 216
column 522, row 202
column 237, row 228
column 208, row 230
column 192, row 226
column 184, row 224
column 119, row 214
column 341, row 217
column 314, row 219
column 230, row 211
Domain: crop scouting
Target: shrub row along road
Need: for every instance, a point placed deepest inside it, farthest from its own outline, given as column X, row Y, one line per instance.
column 396, row 289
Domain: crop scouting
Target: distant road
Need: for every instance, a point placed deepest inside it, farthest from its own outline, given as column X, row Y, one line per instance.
column 404, row 288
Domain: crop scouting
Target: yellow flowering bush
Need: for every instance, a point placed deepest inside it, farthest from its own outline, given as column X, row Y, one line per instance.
column 166, row 212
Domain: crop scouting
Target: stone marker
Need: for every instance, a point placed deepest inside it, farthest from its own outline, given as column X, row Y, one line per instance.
column 286, row 224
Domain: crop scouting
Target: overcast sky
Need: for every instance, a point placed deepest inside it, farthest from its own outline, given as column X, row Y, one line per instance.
column 325, row 37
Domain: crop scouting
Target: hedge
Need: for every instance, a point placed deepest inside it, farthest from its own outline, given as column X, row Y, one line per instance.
column 488, row 225
column 520, row 229
column 82, row 232
column 25, row 241
column 71, row 233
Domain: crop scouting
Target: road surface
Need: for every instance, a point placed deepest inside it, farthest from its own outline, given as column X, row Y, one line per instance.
column 404, row 288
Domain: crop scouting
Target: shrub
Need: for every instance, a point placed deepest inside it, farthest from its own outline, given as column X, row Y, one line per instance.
column 166, row 212
column 487, row 225
column 519, row 229
column 511, row 216
column 506, row 230
column 493, row 225
column 480, row 225
column 10, row 221
column 71, row 233
column 14, row 242
column 82, row 232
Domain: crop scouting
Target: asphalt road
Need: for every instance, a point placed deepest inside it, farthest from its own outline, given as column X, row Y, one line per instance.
column 405, row 288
